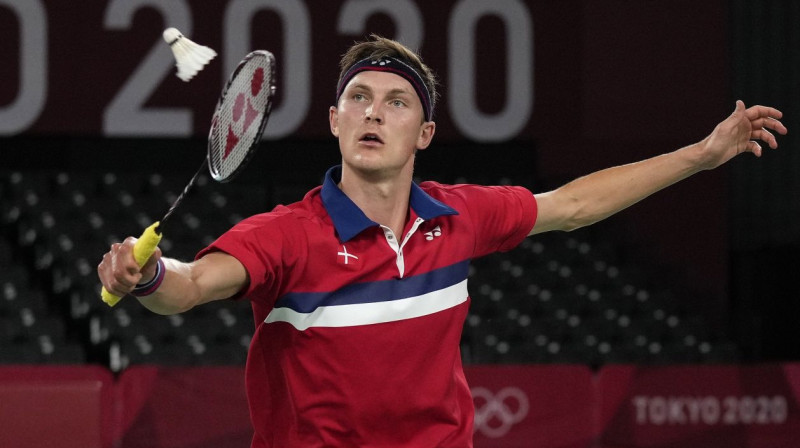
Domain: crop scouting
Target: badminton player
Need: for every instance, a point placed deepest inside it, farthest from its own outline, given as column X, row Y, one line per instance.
column 359, row 291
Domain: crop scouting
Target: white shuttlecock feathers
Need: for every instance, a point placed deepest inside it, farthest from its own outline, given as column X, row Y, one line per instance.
column 190, row 57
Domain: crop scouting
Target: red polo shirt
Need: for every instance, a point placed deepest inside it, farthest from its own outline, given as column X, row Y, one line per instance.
column 357, row 329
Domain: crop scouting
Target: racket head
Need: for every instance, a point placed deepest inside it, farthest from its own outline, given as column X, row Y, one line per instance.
column 241, row 115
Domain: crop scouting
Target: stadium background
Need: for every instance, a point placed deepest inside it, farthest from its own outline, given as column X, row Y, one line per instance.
column 533, row 92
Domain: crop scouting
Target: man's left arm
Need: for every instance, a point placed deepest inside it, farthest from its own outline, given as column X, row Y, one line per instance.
column 599, row 195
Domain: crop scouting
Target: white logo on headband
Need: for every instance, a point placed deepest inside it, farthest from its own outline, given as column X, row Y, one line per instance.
column 382, row 62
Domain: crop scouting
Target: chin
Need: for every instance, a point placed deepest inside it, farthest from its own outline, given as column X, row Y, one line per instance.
column 366, row 166
column 368, row 160
column 375, row 162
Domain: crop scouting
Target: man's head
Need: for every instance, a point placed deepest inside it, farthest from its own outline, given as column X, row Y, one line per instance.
column 384, row 108
column 401, row 61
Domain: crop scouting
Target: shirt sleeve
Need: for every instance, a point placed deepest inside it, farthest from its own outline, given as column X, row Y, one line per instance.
column 501, row 216
column 266, row 247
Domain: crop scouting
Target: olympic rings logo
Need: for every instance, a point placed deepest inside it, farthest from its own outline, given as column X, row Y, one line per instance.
column 495, row 414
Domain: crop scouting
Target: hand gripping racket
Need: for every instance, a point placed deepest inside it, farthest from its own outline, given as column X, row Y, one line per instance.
column 236, row 128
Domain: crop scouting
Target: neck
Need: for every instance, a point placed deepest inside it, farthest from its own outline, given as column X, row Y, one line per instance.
column 383, row 199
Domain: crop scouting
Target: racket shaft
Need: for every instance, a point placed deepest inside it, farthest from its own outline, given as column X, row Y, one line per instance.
column 142, row 251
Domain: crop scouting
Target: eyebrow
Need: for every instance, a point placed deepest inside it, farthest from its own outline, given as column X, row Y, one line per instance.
column 392, row 92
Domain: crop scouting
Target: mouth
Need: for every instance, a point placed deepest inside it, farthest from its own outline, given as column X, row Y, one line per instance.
column 370, row 138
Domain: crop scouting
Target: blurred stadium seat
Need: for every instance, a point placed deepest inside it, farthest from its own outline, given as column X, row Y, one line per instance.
column 558, row 298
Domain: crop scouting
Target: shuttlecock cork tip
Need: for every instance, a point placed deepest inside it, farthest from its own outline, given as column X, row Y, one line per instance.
column 171, row 35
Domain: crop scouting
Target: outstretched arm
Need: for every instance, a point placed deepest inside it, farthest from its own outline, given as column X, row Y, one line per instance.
column 216, row 276
column 599, row 195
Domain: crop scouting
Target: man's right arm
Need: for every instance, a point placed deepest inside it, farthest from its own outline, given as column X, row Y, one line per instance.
column 215, row 276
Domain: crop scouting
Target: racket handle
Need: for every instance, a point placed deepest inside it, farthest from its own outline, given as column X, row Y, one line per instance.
column 142, row 251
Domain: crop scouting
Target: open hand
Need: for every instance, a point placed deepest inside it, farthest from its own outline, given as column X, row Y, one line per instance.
column 740, row 133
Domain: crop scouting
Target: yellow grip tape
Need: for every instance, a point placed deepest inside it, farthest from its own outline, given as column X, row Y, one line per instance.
column 142, row 251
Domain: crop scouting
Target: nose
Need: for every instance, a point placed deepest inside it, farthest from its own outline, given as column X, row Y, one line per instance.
column 373, row 113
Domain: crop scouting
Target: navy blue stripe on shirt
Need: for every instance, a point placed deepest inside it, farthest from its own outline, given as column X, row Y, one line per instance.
column 380, row 291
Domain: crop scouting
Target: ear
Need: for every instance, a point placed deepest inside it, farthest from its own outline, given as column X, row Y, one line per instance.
column 333, row 118
column 426, row 134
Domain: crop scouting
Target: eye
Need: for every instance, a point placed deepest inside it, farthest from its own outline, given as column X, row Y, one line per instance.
column 398, row 103
column 359, row 97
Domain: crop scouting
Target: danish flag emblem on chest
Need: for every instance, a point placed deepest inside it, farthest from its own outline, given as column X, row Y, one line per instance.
column 345, row 257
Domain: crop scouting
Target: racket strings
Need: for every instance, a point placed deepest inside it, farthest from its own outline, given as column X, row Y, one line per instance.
column 238, row 122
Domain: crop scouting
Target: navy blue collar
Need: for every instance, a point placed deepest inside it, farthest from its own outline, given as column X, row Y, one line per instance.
column 349, row 220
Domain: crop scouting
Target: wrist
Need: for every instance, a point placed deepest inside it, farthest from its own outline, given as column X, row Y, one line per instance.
column 707, row 155
column 150, row 286
column 695, row 157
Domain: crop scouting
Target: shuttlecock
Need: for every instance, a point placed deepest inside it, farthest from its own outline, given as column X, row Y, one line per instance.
column 190, row 57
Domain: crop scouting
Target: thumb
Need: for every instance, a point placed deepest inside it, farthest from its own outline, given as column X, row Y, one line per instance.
column 149, row 269
column 740, row 108
column 754, row 148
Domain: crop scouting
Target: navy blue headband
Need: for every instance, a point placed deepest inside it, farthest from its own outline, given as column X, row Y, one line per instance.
column 391, row 65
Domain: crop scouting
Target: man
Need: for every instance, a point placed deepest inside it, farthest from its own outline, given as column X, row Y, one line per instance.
column 359, row 290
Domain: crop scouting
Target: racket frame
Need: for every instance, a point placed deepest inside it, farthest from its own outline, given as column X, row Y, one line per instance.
column 148, row 241
column 261, row 126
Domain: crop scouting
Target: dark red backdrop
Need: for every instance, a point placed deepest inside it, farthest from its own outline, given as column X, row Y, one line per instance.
column 604, row 83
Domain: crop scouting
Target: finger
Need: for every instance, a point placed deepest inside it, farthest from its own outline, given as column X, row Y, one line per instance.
column 106, row 276
column 121, row 277
column 767, row 121
column 771, row 123
column 754, row 147
column 102, row 270
column 123, row 267
column 153, row 258
column 739, row 109
column 765, row 136
column 123, row 256
column 118, row 291
column 116, row 288
column 755, row 112
column 149, row 268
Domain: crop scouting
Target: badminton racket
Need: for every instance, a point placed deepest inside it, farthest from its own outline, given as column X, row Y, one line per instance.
column 238, row 122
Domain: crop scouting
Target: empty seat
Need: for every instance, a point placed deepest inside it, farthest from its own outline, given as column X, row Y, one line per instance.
column 19, row 354
column 55, row 351
column 142, row 351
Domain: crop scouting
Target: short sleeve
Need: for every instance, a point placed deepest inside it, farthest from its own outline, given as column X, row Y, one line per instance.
column 501, row 216
column 266, row 246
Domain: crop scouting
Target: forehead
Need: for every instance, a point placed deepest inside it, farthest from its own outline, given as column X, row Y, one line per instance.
column 381, row 81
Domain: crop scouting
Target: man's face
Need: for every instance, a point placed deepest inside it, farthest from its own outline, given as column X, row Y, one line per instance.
column 379, row 123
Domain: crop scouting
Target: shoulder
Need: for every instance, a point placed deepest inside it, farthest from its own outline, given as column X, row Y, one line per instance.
column 309, row 208
column 472, row 194
column 281, row 231
column 441, row 191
